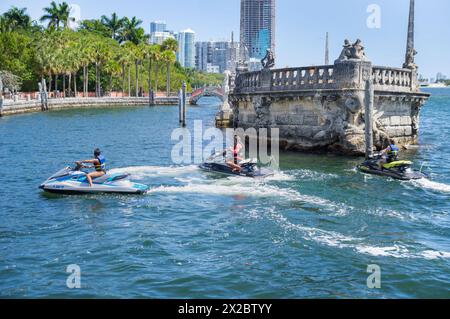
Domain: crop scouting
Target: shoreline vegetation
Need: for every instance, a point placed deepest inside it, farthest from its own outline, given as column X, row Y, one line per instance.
column 106, row 57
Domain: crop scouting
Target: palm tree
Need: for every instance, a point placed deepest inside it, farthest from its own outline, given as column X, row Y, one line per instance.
column 57, row 14
column 155, row 58
column 114, row 24
column 132, row 32
column 170, row 46
column 168, row 57
column 101, row 53
column 17, row 18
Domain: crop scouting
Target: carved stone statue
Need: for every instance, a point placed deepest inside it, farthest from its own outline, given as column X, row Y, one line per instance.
column 353, row 51
column 410, row 64
column 358, row 50
column 345, row 51
column 269, row 60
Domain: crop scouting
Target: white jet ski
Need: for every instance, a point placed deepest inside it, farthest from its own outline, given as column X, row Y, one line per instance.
column 73, row 181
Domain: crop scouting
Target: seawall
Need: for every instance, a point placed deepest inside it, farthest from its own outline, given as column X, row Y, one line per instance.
column 10, row 107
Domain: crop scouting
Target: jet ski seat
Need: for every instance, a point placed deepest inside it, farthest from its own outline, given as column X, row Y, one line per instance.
column 397, row 164
column 111, row 178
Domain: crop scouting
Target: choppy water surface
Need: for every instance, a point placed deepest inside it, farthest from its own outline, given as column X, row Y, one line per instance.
column 309, row 231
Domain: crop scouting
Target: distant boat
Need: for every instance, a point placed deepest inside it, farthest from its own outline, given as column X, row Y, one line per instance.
column 435, row 85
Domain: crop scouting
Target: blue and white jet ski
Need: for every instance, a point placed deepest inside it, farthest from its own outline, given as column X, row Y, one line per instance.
column 73, row 181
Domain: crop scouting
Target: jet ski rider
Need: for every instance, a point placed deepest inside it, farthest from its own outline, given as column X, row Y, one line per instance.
column 237, row 149
column 99, row 162
column 389, row 154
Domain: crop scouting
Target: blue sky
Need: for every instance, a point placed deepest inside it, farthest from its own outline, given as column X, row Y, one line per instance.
column 301, row 26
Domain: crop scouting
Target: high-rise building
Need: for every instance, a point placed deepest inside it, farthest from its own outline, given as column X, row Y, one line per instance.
column 186, row 48
column 203, row 55
column 158, row 26
column 160, row 37
column 217, row 56
column 257, row 27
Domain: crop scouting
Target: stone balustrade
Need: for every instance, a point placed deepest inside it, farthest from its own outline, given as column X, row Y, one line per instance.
column 302, row 78
column 322, row 78
column 385, row 78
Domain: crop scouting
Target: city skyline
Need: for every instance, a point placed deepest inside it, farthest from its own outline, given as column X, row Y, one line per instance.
column 300, row 36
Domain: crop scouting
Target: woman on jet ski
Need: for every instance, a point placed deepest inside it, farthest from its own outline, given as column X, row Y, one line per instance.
column 99, row 163
column 389, row 154
column 237, row 149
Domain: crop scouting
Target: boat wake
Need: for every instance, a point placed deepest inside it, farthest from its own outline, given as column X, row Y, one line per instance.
column 435, row 186
column 142, row 172
column 337, row 240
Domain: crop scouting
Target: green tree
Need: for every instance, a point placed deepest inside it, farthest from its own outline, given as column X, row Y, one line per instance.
column 132, row 31
column 170, row 47
column 114, row 25
column 94, row 26
column 16, row 19
column 57, row 15
column 168, row 58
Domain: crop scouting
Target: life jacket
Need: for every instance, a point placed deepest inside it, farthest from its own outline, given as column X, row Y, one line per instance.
column 101, row 167
column 393, row 152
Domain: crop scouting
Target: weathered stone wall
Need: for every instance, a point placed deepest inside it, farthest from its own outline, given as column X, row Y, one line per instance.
column 322, row 107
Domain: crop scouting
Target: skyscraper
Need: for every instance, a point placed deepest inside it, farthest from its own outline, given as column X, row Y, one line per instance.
column 257, row 27
column 158, row 26
column 186, row 48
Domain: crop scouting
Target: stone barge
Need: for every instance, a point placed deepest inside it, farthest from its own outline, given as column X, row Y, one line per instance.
column 323, row 107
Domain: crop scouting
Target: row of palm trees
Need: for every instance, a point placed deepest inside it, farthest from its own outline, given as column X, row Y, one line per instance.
column 110, row 47
column 66, row 54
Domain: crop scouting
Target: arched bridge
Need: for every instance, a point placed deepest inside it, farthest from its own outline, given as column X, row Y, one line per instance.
column 206, row 91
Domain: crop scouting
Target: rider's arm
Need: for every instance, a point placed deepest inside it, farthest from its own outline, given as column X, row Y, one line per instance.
column 387, row 149
column 90, row 161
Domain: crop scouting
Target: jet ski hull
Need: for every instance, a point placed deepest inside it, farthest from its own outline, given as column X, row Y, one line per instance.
column 404, row 175
column 226, row 170
column 86, row 189
column 72, row 182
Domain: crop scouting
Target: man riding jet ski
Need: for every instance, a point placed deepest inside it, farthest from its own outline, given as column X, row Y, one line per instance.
column 219, row 163
column 386, row 163
column 75, row 181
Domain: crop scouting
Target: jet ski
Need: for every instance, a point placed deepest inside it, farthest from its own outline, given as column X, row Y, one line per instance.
column 401, row 170
column 73, row 181
column 217, row 164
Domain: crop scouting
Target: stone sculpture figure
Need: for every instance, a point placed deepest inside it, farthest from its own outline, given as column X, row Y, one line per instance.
column 353, row 51
column 345, row 51
column 410, row 64
column 269, row 60
column 357, row 51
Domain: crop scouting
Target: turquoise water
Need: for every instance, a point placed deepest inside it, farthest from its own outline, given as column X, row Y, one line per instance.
column 310, row 231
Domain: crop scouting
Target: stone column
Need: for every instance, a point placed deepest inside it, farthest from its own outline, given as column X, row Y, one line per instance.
column 409, row 56
column 368, row 117
column 350, row 77
column 327, row 51
column 351, row 74
column 266, row 79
